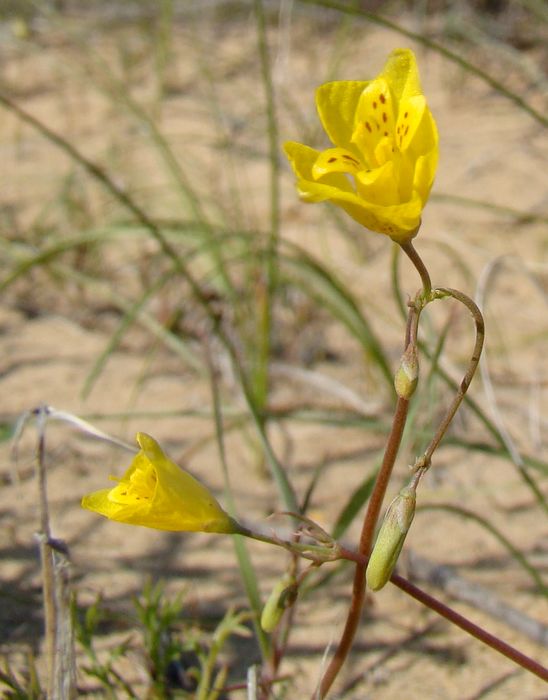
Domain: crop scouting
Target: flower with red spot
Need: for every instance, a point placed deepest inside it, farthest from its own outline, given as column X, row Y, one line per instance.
column 382, row 165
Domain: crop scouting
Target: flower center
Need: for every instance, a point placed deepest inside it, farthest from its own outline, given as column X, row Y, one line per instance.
column 140, row 486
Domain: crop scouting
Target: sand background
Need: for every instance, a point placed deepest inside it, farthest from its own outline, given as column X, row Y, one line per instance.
column 52, row 328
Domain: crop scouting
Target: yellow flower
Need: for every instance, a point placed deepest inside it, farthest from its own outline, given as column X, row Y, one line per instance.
column 156, row 493
column 386, row 149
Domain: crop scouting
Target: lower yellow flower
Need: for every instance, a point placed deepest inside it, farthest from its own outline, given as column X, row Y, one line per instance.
column 156, row 493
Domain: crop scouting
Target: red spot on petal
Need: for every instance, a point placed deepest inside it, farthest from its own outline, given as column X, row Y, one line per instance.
column 406, row 115
column 382, row 98
column 368, row 127
column 374, row 105
column 386, row 133
column 332, row 160
column 406, row 130
column 384, row 117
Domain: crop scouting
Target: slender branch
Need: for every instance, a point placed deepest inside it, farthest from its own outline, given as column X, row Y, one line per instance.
column 46, row 556
column 366, row 539
column 456, row 618
column 415, row 258
column 424, row 461
column 465, row 624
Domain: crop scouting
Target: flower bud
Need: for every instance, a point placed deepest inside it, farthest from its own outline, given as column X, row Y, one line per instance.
column 396, row 523
column 282, row 597
column 407, row 374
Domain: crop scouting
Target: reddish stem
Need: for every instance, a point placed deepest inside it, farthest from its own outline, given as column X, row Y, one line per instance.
column 456, row 618
column 366, row 540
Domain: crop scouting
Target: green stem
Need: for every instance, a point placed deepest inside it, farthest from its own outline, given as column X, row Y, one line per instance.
column 415, row 258
column 247, row 570
column 266, row 295
column 424, row 461
column 502, row 539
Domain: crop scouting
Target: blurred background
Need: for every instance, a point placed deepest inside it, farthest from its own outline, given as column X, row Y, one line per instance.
column 159, row 273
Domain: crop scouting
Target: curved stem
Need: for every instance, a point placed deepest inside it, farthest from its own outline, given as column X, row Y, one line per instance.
column 415, row 258
column 424, row 461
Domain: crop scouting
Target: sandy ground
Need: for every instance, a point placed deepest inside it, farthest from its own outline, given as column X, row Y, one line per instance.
column 52, row 332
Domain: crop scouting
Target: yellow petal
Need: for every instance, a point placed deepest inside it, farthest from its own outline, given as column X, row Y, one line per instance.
column 336, row 103
column 379, row 186
column 410, row 116
column 426, row 136
column 335, row 160
column 374, row 120
column 401, row 73
column 399, row 221
column 155, row 492
column 425, row 170
column 302, row 159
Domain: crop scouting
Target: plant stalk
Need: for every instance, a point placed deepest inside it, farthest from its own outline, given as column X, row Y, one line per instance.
column 380, row 487
column 457, row 619
column 366, row 541
column 424, row 461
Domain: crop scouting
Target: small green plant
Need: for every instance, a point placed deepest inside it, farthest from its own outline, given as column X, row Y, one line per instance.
column 180, row 657
column 101, row 666
column 159, row 620
column 24, row 685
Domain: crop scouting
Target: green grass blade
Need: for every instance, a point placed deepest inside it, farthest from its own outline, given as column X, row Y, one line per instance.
column 323, row 285
column 247, row 571
column 504, row 541
column 354, row 504
column 115, row 339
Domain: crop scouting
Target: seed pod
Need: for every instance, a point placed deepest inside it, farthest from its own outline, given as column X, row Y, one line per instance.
column 282, row 597
column 407, row 374
column 396, row 523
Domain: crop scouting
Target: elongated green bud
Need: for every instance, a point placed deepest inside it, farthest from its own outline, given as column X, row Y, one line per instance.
column 396, row 523
column 407, row 374
column 282, row 597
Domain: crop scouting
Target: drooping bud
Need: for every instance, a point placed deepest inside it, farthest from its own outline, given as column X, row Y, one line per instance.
column 283, row 595
column 407, row 374
column 396, row 523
